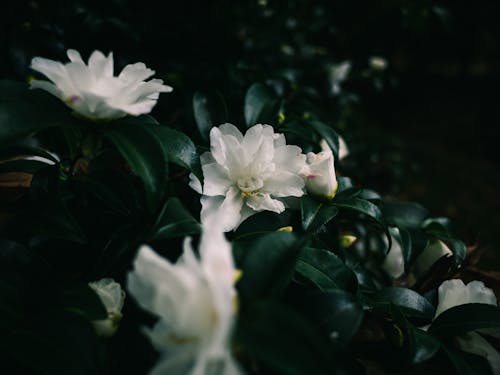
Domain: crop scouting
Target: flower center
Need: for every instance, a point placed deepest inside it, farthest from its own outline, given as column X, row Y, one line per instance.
column 249, row 184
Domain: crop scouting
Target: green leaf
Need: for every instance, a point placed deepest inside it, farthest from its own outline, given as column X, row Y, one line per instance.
column 324, row 269
column 82, row 300
column 328, row 134
column 179, row 149
column 24, row 112
column 315, row 214
column 22, row 165
column 422, row 346
column 279, row 337
column 407, row 215
column 467, row 363
column 409, row 301
column 337, row 313
column 209, row 110
column 366, row 208
column 174, row 221
column 464, row 318
column 261, row 223
column 261, row 105
column 143, row 151
column 268, row 265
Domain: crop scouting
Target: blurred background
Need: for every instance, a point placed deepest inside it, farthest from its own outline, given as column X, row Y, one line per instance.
column 411, row 86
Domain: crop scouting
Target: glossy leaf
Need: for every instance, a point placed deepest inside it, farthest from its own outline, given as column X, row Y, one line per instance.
column 268, row 265
column 315, row 214
column 324, row 269
column 209, row 110
column 261, row 105
column 174, row 221
column 411, row 303
column 142, row 150
column 464, row 318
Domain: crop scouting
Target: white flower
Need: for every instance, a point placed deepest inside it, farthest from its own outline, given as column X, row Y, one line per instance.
column 343, row 149
column 337, row 74
column 93, row 91
column 112, row 297
column 394, row 265
column 319, row 173
column 195, row 302
column 453, row 293
column 247, row 174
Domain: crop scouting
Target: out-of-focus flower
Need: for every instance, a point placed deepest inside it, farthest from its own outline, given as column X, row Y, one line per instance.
column 112, row 297
column 394, row 265
column 435, row 250
column 453, row 293
column 319, row 173
column 247, row 174
column 338, row 73
column 93, row 91
column 377, row 63
column 343, row 149
column 195, row 301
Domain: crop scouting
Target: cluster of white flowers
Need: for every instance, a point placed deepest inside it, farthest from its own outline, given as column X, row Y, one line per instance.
column 93, row 91
column 246, row 174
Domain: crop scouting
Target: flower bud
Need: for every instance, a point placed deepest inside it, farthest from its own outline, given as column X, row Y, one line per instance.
column 319, row 174
column 394, row 264
column 435, row 250
column 112, row 297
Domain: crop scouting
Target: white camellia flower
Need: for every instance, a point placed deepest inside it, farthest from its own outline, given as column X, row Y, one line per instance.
column 453, row 293
column 319, row 173
column 195, row 301
column 394, row 265
column 247, row 174
column 93, row 91
column 112, row 297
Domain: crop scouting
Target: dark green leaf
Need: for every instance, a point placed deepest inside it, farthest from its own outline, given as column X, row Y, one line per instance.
column 261, row 223
column 24, row 111
column 282, row 339
column 336, row 313
column 410, row 302
column 143, row 151
column 328, row 134
column 404, row 214
column 467, row 363
column 174, row 221
column 464, row 318
column 82, row 300
column 261, row 105
column 268, row 265
column 315, row 214
column 209, row 110
column 22, row 165
column 179, row 149
column 324, row 269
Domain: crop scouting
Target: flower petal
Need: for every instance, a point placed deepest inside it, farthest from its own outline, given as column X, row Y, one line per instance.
column 226, row 209
column 264, row 202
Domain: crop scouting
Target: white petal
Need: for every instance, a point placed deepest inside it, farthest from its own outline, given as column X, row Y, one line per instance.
column 135, row 73
column 100, row 65
column 264, row 202
column 289, row 158
column 74, row 56
column 195, row 183
column 216, row 181
column 226, row 209
column 284, row 184
column 230, row 129
column 394, row 264
column 47, row 86
column 454, row 293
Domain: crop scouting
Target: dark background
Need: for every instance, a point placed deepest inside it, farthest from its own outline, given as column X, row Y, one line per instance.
column 425, row 129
